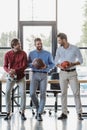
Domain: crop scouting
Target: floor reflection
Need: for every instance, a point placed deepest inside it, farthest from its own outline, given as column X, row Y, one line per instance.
column 22, row 125
column 38, row 126
column 9, row 125
column 64, row 124
column 79, row 125
column 48, row 123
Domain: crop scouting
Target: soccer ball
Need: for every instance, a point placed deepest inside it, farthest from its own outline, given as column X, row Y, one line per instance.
column 12, row 78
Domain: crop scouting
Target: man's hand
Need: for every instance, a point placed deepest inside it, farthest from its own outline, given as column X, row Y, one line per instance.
column 12, row 72
column 64, row 68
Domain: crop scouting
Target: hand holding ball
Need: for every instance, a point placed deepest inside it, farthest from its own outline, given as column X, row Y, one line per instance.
column 38, row 63
column 65, row 64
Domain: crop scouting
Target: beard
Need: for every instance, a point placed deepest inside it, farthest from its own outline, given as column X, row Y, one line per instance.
column 62, row 44
column 39, row 48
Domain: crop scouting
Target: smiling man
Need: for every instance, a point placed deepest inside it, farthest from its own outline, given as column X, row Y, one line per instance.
column 39, row 76
column 68, row 74
column 15, row 62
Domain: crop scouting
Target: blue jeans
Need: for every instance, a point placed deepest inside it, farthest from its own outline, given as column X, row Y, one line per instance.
column 38, row 80
column 22, row 91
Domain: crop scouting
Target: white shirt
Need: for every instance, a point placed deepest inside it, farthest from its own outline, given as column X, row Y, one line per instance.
column 71, row 54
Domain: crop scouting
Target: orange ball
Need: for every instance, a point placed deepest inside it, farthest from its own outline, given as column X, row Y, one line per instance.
column 65, row 64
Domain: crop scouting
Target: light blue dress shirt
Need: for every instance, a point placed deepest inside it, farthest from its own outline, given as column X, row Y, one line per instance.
column 45, row 56
column 71, row 54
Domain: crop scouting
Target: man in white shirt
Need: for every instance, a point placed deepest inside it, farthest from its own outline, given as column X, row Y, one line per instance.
column 68, row 74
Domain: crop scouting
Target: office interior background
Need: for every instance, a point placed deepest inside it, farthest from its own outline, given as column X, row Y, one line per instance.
column 45, row 18
column 27, row 19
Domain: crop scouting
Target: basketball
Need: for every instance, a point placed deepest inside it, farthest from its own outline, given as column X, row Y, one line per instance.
column 65, row 64
column 38, row 63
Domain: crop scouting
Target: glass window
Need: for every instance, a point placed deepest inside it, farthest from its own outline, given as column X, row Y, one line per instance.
column 8, row 21
column 2, row 53
column 8, row 27
column 71, row 20
column 38, row 10
column 31, row 32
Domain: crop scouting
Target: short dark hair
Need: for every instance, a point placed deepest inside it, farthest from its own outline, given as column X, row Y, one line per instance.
column 14, row 42
column 62, row 36
column 37, row 39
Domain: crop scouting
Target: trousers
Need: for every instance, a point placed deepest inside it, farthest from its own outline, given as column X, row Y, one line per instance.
column 38, row 80
column 22, row 92
column 70, row 78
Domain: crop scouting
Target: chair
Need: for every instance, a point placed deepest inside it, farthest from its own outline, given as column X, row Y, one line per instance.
column 55, row 89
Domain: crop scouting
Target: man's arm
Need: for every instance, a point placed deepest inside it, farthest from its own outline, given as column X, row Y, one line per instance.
column 50, row 64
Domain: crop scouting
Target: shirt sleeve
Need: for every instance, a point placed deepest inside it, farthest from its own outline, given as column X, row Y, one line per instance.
column 79, row 56
column 50, row 64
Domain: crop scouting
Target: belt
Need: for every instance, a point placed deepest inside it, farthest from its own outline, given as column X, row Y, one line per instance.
column 69, row 70
column 39, row 71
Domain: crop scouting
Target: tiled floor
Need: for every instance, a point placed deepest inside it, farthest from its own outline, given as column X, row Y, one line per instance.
column 48, row 123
